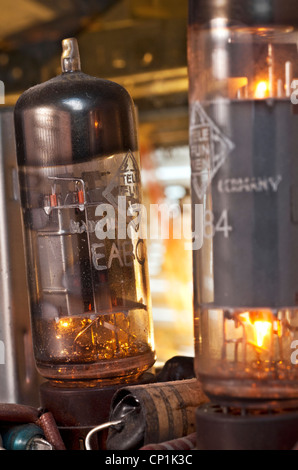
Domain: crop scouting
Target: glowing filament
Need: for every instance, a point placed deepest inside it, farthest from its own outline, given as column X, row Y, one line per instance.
column 257, row 327
column 262, row 90
column 261, row 330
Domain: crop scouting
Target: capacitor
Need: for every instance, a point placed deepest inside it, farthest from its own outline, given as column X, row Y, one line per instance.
column 80, row 186
column 153, row 413
column 25, row 437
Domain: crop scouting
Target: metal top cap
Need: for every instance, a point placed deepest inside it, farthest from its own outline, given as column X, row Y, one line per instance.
column 70, row 58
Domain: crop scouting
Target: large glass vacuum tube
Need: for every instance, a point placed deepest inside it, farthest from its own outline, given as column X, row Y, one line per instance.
column 81, row 191
column 243, row 65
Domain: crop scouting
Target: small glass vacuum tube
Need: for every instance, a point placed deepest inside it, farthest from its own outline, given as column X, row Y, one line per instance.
column 243, row 126
column 80, row 189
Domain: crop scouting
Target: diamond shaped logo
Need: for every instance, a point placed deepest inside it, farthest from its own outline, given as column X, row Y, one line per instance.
column 126, row 182
column 209, row 149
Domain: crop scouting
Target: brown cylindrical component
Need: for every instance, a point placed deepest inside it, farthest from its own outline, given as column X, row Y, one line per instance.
column 51, row 432
column 154, row 413
column 15, row 413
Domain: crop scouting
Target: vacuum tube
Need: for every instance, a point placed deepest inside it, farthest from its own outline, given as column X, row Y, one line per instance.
column 243, row 125
column 80, row 189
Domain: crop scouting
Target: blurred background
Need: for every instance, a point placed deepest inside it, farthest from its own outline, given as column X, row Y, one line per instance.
column 140, row 44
